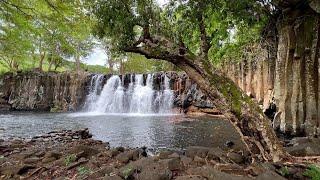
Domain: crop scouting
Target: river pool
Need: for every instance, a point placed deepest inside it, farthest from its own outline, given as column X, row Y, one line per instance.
column 128, row 130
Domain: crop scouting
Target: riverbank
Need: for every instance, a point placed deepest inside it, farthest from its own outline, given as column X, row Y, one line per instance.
column 75, row 155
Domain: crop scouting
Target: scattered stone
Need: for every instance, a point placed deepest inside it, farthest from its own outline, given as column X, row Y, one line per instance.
column 53, row 154
column 91, row 159
column 84, row 151
column 270, row 175
column 197, row 151
column 48, row 159
column 174, row 164
column 229, row 144
column 211, row 173
column 235, row 157
column 186, row 160
column 164, row 154
column 190, row 177
column 116, row 177
column 32, row 160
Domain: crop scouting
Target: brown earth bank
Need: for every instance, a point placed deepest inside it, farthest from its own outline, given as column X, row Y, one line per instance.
column 75, row 155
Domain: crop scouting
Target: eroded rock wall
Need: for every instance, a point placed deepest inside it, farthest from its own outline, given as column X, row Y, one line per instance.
column 61, row 92
column 42, row 91
column 286, row 88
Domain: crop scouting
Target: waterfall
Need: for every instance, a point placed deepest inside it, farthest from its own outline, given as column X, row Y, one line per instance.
column 95, row 87
column 137, row 98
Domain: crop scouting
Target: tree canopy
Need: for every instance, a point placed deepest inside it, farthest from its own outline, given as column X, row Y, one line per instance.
column 43, row 29
column 217, row 29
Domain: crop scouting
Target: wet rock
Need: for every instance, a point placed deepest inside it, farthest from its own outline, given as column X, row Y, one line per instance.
column 140, row 164
column 190, row 177
column 213, row 174
column 129, row 155
column 235, row 157
column 113, row 152
column 164, row 154
column 123, row 157
column 155, row 174
column 215, row 154
column 304, row 147
column 197, row 151
column 120, row 149
column 84, row 151
column 16, row 169
column 32, row 160
column 115, row 177
column 48, row 159
column 229, row 144
column 172, row 164
column 186, row 160
column 108, row 170
column 199, row 160
column 53, row 154
column 144, row 151
column 268, row 175
column 40, row 154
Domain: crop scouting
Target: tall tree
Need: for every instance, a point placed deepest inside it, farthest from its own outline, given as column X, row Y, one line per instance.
column 184, row 33
column 51, row 30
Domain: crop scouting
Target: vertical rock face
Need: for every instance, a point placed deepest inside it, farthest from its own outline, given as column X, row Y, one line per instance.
column 61, row 92
column 42, row 91
column 287, row 87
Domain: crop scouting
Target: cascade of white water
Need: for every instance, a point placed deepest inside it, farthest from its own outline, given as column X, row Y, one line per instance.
column 142, row 97
column 106, row 100
column 137, row 98
column 95, row 86
column 166, row 97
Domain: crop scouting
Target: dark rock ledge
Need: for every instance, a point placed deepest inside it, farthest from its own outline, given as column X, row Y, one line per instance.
column 75, row 155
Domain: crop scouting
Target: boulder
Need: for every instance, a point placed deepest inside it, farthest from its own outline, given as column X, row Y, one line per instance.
column 212, row 174
column 236, row 157
column 84, row 151
column 268, row 175
column 304, row 147
column 197, row 151
column 32, row 160
column 190, row 177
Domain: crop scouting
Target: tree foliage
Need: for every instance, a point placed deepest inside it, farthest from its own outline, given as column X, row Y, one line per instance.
column 226, row 25
column 43, row 29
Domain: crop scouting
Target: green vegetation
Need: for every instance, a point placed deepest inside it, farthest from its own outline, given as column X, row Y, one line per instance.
column 127, row 172
column 70, row 159
column 313, row 172
column 83, row 170
column 47, row 35
column 29, row 65
column 222, row 29
column 284, row 171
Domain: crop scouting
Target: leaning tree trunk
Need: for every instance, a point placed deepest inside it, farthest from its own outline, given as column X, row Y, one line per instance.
column 245, row 115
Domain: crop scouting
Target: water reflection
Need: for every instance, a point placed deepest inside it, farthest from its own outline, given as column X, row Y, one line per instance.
column 129, row 131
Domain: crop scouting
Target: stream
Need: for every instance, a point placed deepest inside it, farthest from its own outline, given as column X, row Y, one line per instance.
column 128, row 130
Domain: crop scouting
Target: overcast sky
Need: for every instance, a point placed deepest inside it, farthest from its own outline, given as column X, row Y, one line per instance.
column 98, row 56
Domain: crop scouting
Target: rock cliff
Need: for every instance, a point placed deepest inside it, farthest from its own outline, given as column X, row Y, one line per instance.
column 61, row 92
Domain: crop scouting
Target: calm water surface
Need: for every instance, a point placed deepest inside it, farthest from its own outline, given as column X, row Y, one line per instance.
column 153, row 131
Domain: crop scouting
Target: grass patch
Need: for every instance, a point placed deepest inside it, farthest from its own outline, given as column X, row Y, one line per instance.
column 284, row 171
column 70, row 159
column 313, row 172
column 83, row 170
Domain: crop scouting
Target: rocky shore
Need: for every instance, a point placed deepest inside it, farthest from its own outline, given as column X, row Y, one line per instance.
column 75, row 155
